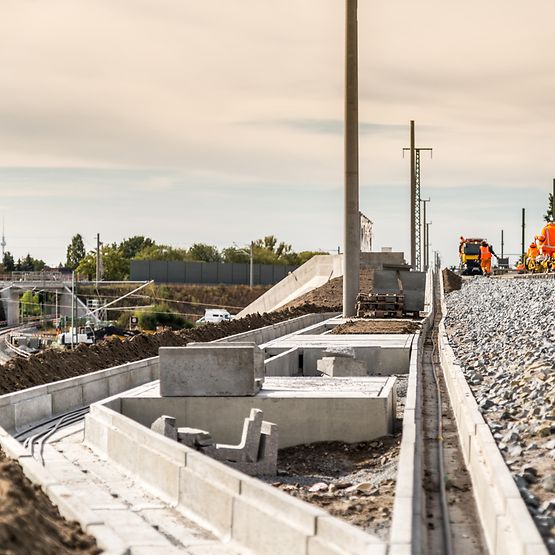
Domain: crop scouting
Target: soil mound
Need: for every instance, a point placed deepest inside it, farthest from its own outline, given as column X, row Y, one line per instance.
column 451, row 281
column 330, row 295
column 376, row 327
column 29, row 523
column 53, row 365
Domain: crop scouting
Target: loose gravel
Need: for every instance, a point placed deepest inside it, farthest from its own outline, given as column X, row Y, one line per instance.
column 503, row 333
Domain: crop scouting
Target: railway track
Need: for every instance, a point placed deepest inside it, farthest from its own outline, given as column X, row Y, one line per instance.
column 451, row 520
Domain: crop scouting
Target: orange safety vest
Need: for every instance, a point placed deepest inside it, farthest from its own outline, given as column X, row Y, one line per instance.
column 549, row 233
column 485, row 253
column 533, row 252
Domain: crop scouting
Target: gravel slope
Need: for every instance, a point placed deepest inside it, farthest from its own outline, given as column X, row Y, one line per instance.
column 503, row 332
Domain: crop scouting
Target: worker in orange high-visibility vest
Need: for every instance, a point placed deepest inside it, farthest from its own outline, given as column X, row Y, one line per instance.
column 486, row 252
column 533, row 251
column 547, row 239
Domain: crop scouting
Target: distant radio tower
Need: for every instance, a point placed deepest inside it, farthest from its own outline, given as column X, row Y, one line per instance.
column 3, row 243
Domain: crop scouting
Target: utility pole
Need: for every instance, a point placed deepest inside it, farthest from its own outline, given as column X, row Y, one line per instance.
column 552, row 208
column 351, row 257
column 3, row 243
column 523, row 229
column 427, row 241
column 415, row 219
column 502, row 243
column 99, row 269
column 73, row 310
column 423, row 255
column 251, row 266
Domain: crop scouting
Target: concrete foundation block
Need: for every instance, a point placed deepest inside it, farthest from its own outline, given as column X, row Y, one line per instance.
column 342, row 367
column 225, row 369
column 64, row 400
column 194, row 437
column 94, row 391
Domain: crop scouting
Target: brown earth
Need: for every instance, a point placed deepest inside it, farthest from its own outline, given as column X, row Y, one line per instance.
column 352, row 481
column 30, row 524
column 451, row 281
column 330, row 295
column 53, row 365
column 376, row 327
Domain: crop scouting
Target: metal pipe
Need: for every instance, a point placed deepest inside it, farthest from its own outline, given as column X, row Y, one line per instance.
column 351, row 257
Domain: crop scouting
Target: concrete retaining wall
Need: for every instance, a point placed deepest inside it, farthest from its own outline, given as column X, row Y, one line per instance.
column 268, row 333
column 21, row 408
column 303, row 417
column 284, row 364
column 507, row 524
column 235, row 506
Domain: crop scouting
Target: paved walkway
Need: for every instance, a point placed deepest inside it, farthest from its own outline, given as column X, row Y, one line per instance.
column 144, row 522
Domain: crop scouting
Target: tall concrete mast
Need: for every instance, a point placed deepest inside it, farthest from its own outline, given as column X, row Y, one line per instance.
column 413, row 199
column 3, row 243
column 351, row 274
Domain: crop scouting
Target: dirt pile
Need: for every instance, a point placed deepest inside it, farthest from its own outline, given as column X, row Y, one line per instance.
column 29, row 523
column 451, row 281
column 330, row 295
column 53, row 365
column 354, row 482
column 376, row 327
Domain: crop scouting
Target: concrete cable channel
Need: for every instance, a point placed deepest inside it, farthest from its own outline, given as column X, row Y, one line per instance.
column 451, row 523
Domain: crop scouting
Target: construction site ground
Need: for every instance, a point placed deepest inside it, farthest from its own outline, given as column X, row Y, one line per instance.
column 355, row 482
column 370, row 468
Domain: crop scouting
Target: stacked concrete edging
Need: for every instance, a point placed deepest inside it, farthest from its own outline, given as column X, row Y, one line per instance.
column 234, row 506
column 507, row 524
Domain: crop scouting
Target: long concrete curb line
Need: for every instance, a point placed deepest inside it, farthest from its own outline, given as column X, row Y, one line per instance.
column 506, row 522
column 408, row 508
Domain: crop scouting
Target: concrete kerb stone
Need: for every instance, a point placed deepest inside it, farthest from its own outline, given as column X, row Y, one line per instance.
column 283, row 504
column 506, row 522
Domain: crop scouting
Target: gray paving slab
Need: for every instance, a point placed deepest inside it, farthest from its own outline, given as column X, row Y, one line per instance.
column 143, row 521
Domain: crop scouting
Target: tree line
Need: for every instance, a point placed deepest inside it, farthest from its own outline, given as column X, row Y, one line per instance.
column 116, row 257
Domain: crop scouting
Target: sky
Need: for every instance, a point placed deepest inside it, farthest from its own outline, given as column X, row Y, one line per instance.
column 221, row 121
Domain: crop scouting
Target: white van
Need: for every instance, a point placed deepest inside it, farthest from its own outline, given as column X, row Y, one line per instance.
column 214, row 316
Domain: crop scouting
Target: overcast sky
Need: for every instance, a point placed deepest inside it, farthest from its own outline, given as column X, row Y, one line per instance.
column 221, row 121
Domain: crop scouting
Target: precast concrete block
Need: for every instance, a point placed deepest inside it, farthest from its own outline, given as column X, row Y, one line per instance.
column 37, row 473
column 194, row 437
column 278, row 502
column 165, row 425
column 206, row 499
column 319, row 547
column 348, row 537
column 7, row 416
column 214, row 472
column 265, row 531
column 13, row 448
column 96, row 433
column 247, row 449
column 402, row 522
column 70, row 507
column 523, row 527
column 96, row 390
column 108, row 540
column 32, row 410
column 211, row 370
column 342, row 367
column 66, row 399
column 159, row 472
